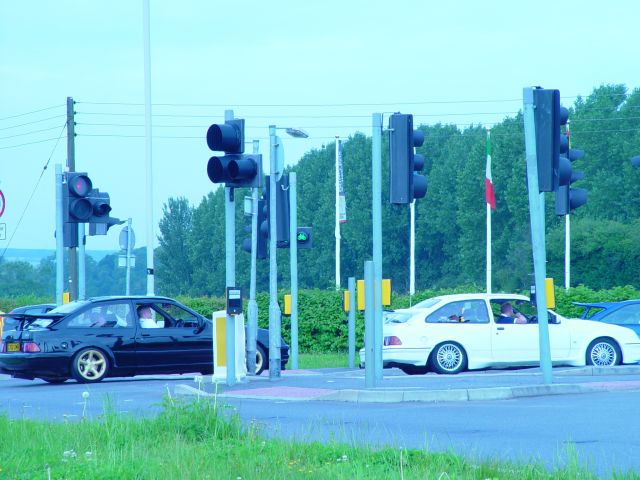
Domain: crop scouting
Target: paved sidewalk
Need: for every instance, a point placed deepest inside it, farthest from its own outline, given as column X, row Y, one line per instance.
column 349, row 385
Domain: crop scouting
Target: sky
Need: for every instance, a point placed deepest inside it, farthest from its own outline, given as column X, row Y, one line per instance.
column 322, row 66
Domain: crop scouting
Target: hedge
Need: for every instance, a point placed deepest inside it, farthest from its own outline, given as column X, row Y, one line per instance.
column 323, row 326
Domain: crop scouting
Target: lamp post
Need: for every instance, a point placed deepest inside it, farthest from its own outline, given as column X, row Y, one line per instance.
column 275, row 315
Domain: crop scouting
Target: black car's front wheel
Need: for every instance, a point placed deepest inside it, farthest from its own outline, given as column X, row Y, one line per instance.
column 90, row 365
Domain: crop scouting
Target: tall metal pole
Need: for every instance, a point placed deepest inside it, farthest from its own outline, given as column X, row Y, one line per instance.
column 488, row 228
column 293, row 248
column 274, row 308
column 59, row 237
column 369, row 327
column 71, row 167
column 567, row 252
column 82, row 263
column 147, row 138
column 352, row 321
column 128, row 272
column 337, row 202
column 230, row 270
column 412, row 251
column 536, row 209
column 376, row 210
column 252, row 309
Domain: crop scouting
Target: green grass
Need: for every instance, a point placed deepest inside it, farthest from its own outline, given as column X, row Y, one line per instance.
column 203, row 440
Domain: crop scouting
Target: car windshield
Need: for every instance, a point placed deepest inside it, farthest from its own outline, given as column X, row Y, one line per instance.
column 428, row 303
column 396, row 317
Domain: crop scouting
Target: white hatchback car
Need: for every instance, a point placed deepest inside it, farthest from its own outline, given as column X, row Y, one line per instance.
column 452, row 333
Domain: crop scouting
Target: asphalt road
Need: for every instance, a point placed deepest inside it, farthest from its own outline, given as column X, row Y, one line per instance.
column 601, row 429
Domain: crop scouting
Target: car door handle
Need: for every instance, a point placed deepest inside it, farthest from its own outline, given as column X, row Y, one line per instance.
column 500, row 328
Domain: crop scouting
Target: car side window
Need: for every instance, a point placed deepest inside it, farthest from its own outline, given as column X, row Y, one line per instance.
column 169, row 315
column 627, row 315
column 467, row 311
column 103, row 316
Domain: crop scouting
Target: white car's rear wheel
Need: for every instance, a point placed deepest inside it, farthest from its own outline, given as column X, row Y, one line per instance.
column 448, row 357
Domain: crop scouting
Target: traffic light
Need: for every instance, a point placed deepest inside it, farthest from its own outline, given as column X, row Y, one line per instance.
column 263, row 233
column 549, row 115
column 303, row 237
column 76, row 206
column 234, row 169
column 282, row 209
column 405, row 184
column 568, row 198
column 100, row 221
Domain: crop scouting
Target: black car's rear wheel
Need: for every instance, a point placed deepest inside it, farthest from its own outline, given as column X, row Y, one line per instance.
column 261, row 359
column 90, row 365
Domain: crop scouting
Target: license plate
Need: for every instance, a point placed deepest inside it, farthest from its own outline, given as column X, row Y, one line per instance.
column 13, row 347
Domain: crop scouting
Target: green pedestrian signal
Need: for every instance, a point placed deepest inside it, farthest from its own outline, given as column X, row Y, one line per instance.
column 303, row 237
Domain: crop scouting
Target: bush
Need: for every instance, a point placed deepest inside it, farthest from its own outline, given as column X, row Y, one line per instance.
column 323, row 325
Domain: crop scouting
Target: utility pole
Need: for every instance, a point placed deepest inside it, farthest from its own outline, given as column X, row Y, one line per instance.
column 71, row 167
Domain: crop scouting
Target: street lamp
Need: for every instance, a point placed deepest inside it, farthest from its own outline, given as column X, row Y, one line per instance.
column 275, row 315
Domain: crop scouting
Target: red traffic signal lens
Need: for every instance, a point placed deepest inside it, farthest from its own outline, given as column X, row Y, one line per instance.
column 80, row 185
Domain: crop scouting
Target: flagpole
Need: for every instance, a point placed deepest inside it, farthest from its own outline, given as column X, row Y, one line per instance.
column 488, row 175
column 337, row 212
column 567, row 235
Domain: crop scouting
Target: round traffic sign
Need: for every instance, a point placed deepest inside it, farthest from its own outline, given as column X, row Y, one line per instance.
column 2, row 203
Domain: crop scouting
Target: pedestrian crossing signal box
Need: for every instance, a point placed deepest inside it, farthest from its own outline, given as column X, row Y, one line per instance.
column 234, row 301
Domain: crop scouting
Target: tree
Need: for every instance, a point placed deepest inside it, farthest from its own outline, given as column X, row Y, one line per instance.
column 174, row 265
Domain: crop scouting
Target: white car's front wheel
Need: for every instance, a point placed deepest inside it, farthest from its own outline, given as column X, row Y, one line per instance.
column 448, row 357
column 603, row 352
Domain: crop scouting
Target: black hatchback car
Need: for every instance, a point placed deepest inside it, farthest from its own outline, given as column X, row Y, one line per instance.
column 90, row 340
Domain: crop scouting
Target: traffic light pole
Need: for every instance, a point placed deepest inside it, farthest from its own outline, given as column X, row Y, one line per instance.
column 59, row 237
column 293, row 249
column 376, row 210
column 252, row 309
column 275, row 316
column 536, row 209
column 230, row 270
column 82, row 264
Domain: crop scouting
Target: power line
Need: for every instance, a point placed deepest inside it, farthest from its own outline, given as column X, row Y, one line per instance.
column 305, row 105
column 33, row 192
column 28, row 143
column 29, row 133
column 29, row 113
column 35, row 121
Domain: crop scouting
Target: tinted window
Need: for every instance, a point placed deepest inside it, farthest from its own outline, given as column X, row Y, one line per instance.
column 466, row 311
column 113, row 315
column 627, row 315
column 170, row 315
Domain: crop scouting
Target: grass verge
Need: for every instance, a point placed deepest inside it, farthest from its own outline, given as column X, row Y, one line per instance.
column 203, row 440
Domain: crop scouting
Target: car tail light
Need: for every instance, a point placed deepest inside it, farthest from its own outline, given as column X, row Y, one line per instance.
column 30, row 347
column 393, row 340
